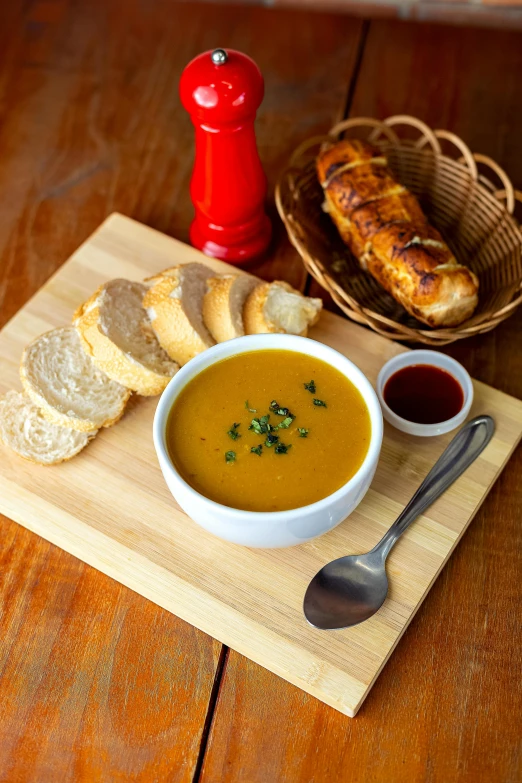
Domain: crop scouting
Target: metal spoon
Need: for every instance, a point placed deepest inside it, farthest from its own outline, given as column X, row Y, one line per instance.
column 351, row 589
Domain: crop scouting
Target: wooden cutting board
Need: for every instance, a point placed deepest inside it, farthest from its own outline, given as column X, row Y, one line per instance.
column 111, row 508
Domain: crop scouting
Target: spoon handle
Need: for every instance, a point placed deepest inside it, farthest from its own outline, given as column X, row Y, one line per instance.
column 464, row 449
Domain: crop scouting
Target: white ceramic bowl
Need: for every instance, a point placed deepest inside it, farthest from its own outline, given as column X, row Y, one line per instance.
column 277, row 528
column 436, row 360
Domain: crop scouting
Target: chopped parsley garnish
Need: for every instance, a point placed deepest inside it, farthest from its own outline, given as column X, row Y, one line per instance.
column 303, row 432
column 252, row 410
column 256, row 450
column 260, row 426
column 310, row 387
column 320, row 403
column 230, row 456
column 283, row 425
column 281, row 448
column 276, row 408
column 270, row 440
column 233, row 433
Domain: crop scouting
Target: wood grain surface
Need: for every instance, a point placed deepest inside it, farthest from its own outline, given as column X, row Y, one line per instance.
column 91, row 672
column 88, row 109
column 447, row 706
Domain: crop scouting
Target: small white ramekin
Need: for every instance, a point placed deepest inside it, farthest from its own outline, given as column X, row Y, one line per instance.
column 436, row 359
column 277, row 528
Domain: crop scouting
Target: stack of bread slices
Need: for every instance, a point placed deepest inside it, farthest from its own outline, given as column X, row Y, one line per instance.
column 133, row 337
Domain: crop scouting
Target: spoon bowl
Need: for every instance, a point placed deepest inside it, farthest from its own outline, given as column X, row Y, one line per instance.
column 346, row 592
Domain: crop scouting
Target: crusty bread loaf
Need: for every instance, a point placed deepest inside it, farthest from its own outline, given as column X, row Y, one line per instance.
column 223, row 305
column 25, row 430
column 174, row 304
column 63, row 381
column 383, row 225
column 277, row 307
column 116, row 333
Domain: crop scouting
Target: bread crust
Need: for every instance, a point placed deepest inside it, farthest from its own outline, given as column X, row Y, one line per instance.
column 346, row 152
column 254, row 312
column 366, row 221
column 54, row 462
column 379, row 219
column 109, row 358
column 218, row 305
column 364, row 183
column 166, row 309
column 415, row 265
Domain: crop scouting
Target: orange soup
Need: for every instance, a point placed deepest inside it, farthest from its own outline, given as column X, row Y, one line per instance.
column 268, row 431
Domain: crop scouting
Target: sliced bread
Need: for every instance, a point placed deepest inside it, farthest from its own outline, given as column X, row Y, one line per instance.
column 174, row 304
column 116, row 333
column 25, row 430
column 64, row 382
column 223, row 305
column 277, row 307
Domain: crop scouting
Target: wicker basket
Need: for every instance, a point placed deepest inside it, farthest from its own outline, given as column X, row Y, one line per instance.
column 473, row 214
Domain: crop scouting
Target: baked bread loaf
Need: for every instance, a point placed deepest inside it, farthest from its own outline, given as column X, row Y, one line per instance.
column 62, row 380
column 384, row 227
column 277, row 307
column 25, row 430
column 116, row 333
column 174, row 304
column 223, row 305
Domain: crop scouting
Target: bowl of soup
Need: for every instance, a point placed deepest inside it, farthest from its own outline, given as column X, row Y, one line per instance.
column 268, row 440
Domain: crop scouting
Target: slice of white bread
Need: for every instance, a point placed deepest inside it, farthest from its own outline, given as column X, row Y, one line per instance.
column 24, row 429
column 174, row 304
column 277, row 307
column 63, row 381
column 223, row 305
column 116, row 333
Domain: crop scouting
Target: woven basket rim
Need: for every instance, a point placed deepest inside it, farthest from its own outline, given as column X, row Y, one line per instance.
column 505, row 199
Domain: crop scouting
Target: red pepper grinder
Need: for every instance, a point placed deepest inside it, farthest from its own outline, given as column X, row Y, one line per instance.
column 222, row 90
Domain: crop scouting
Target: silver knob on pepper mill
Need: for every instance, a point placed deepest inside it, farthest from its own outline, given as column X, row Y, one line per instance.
column 219, row 56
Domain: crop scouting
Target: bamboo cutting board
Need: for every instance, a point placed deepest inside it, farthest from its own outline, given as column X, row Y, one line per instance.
column 111, row 508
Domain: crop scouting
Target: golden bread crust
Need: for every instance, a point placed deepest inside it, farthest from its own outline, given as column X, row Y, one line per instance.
column 353, row 188
column 369, row 219
column 347, row 152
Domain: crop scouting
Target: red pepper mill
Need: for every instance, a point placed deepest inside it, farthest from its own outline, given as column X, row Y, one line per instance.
column 222, row 91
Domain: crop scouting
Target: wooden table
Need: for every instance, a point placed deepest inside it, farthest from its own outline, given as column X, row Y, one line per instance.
column 98, row 684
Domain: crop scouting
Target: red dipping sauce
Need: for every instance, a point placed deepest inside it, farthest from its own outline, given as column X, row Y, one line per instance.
column 423, row 394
